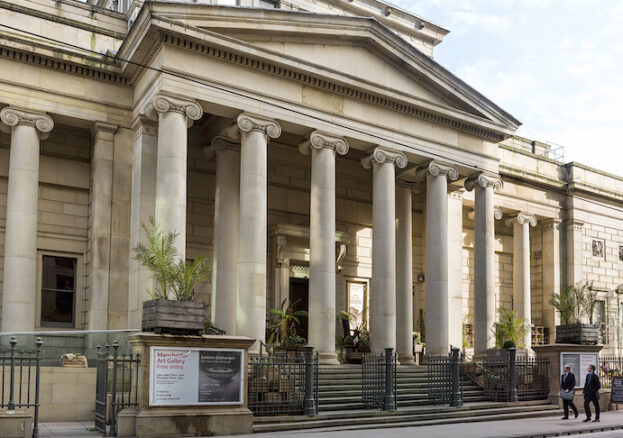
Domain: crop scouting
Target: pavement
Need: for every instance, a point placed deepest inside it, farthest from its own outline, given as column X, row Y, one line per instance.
column 611, row 426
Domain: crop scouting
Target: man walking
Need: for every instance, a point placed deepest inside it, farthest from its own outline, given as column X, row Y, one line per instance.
column 567, row 388
column 591, row 394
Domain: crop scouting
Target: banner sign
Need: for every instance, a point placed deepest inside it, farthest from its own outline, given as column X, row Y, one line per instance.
column 196, row 376
column 616, row 394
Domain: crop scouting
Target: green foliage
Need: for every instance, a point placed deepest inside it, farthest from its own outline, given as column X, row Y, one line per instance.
column 510, row 328
column 211, row 329
column 282, row 323
column 174, row 279
column 509, row 344
column 575, row 302
column 417, row 338
column 296, row 340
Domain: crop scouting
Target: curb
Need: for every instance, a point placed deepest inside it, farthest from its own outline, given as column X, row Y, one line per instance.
column 565, row 433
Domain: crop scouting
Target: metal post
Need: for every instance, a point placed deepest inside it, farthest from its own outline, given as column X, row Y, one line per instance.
column 113, row 407
column 309, row 403
column 389, row 403
column 35, row 426
column 512, row 387
column 455, row 397
column 11, row 406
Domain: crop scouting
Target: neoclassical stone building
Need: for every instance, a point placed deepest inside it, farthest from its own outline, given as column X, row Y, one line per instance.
column 314, row 151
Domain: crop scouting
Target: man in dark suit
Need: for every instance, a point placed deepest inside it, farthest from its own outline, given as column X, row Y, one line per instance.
column 591, row 391
column 567, row 383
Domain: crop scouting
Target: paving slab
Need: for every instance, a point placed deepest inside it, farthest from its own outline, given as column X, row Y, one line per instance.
column 69, row 430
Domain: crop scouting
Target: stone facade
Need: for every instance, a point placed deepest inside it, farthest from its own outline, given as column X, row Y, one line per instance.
column 344, row 133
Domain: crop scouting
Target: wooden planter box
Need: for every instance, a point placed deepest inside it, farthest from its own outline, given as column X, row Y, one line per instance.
column 174, row 317
column 585, row 334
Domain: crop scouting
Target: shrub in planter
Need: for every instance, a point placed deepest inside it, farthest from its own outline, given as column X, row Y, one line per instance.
column 174, row 308
column 575, row 305
column 510, row 328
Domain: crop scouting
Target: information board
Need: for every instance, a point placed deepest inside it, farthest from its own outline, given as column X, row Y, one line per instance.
column 195, row 376
column 616, row 395
column 578, row 362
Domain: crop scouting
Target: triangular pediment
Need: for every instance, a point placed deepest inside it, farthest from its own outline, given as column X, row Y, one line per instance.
column 354, row 53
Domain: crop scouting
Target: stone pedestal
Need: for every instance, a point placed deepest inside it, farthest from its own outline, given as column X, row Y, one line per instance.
column 552, row 352
column 181, row 421
column 16, row 425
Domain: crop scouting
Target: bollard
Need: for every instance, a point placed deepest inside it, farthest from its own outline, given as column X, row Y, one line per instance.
column 512, row 387
column 389, row 403
column 309, row 402
column 11, row 406
column 456, row 399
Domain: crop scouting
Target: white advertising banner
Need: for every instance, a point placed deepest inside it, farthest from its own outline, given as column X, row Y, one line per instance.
column 196, row 376
column 578, row 362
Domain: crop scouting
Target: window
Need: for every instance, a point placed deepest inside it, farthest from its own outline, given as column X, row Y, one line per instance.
column 58, row 291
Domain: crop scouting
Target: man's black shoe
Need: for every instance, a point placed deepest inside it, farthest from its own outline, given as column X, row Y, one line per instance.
column 587, row 420
column 576, row 414
column 564, row 418
column 596, row 420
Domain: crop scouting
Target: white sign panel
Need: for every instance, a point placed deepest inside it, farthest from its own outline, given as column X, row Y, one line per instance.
column 195, row 376
column 578, row 362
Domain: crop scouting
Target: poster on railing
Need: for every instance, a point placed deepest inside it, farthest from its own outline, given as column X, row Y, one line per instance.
column 195, row 376
column 578, row 362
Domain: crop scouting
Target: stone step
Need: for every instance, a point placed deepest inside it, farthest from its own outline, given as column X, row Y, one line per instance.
column 402, row 395
column 401, row 385
column 400, row 418
column 356, row 404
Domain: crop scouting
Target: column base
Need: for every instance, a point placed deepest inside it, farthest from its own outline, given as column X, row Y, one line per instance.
column 406, row 359
column 325, row 358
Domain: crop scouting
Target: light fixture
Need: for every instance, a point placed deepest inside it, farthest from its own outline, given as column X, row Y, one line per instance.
column 420, row 277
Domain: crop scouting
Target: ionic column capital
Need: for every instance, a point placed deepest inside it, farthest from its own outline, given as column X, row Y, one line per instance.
column 101, row 130
column 552, row 223
column 522, row 218
column 414, row 186
column 18, row 117
column 250, row 122
column 435, row 168
column 381, row 155
column 221, row 143
column 190, row 109
column 484, row 180
column 321, row 140
column 497, row 213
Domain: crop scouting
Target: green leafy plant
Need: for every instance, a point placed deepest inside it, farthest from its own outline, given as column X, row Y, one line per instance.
column 417, row 338
column 589, row 299
column 509, row 344
column 282, row 323
column 296, row 340
column 211, row 329
column 510, row 328
column 174, row 278
column 574, row 302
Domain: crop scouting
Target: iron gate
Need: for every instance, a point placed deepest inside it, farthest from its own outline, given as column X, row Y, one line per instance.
column 117, row 378
column 445, row 378
column 378, row 381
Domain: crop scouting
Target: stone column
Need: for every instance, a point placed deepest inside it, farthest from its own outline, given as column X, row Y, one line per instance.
column 322, row 148
column 102, row 135
column 225, row 259
column 575, row 238
column 141, row 210
column 521, row 268
column 251, row 311
column 404, row 269
column 437, row 268
column 175, row 116
column 19, row 291
column 484, row 259
column 456, row 310
column 551, row 273
column 383, row 294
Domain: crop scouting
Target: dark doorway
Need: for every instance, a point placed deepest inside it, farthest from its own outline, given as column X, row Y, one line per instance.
column 299, row 300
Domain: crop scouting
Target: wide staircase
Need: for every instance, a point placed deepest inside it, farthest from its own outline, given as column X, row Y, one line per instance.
column 340, row 407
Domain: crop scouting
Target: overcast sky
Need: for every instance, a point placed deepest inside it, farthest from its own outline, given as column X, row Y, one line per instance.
column 556, row 65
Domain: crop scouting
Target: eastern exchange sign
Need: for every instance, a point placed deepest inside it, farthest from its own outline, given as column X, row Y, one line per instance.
column 196, row 376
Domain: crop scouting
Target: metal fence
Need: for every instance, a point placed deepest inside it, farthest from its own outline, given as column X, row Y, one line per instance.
column 445, row 378
column 505, row 377
column 20, row 388
column 607, row 368
column 283, row 383
column 378, row 380
column 116, row 386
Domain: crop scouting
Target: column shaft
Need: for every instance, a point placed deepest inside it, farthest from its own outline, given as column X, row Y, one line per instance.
column 251, row 308
column 20, row 244
column 484, row 265
column 404, row 274
column 521, row 275
column 551, row 274
column 456, row 311
column 225, row 260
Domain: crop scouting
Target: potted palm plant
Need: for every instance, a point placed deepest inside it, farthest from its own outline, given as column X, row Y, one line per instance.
column 510, row 331
column 576, row 305
column 282, row 327
column 174, row 307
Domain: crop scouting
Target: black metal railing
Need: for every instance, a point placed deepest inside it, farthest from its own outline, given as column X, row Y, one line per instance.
column 116, row 386
column 283, row 383
column 378, row 381
column 20, row 388
column 445, row 378
column 608, row 367
column 505, row 377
